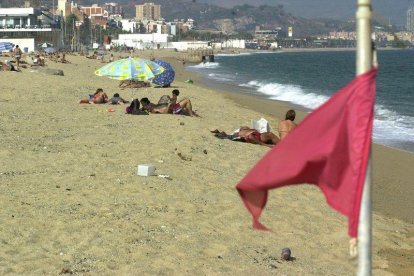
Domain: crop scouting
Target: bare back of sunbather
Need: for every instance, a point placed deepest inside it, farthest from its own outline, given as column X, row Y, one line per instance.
column 253, row 136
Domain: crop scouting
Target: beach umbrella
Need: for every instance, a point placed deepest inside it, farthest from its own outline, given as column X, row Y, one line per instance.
column 165, row 78
column 130, row 69
column 6, row 46
column 50, row 50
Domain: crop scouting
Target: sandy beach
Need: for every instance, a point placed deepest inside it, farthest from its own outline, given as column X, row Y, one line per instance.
column 72, row 202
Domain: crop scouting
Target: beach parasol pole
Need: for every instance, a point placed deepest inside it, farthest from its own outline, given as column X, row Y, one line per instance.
column 363, row 65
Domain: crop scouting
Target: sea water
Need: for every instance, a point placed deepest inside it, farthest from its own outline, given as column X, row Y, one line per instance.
column 308, row 79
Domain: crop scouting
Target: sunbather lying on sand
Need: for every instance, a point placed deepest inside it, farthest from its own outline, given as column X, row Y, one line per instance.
column 116, row 99
column 99, row 97
column 183, row 107
column 153, row 108
column 250, row 135
column 133, row 84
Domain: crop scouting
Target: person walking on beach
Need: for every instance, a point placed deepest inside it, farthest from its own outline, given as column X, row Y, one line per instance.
column 17, row 53
column 288, row 124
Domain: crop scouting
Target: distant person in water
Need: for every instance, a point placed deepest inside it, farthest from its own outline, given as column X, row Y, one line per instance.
column 288, row 124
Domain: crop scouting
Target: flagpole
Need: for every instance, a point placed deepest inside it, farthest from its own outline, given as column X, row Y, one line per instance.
column 363, row 65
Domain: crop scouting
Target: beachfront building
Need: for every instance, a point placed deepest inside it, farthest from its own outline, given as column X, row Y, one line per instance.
column 130, row 25
column 97, row 15
column 148, row 11
column 143, row 41
column 259, row 33
column 342, row 35
column 114, row 9
column 19, row 18
column 21, row 24
column 410, row 19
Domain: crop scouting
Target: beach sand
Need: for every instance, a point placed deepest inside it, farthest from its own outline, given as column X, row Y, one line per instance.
column 72, row 203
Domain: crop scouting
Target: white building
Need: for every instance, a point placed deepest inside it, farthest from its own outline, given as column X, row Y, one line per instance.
column 142, row 41
column 19, row 23
column 26, row 44
column 234, row 43
column 18, row 17
column 130, row 25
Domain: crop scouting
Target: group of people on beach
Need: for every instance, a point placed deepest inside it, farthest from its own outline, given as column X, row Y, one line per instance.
column 171, row 105
column 166, row 105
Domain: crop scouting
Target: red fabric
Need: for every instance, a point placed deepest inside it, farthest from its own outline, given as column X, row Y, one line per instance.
column 330, row 149
column 255, row 134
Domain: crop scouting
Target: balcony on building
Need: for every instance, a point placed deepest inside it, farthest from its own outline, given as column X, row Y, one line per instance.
column 25, row 19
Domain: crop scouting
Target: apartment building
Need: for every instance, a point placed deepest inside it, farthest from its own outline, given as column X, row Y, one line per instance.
column 148, row 11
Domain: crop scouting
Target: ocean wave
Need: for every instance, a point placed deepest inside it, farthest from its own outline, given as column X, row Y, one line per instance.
column 221, row 77
column 288, row 93
column 233, row 54
column 207, row 65
column 390, row 128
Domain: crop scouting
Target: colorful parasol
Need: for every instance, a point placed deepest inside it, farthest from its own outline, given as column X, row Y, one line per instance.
column 165, row 78
column 130, row 69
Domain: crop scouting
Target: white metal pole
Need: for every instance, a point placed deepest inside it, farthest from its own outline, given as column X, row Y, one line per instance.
column 363, row 65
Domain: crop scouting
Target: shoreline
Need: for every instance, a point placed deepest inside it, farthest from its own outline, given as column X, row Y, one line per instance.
column 273, row 110
column 237, row 50
column 263, row 107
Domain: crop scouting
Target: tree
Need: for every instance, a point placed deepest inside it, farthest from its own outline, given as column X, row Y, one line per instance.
column 85, row 32
column 70, row 29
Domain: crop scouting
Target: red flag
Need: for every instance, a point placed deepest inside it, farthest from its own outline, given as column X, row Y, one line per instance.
column 330, row 148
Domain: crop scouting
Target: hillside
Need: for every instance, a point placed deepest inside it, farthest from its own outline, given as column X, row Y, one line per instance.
column 337, row 9
column 242, row 18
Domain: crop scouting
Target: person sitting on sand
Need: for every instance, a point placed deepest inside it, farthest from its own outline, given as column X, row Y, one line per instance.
column 250, row 135
column 133, row 84
column 182, row 107
column 94, row 56
column 287, row 125
column 63, row 59
column 116, row 99
column 7, row 66
column 99, row 97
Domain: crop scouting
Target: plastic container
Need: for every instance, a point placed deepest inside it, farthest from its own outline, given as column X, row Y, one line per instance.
column 146, row 170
